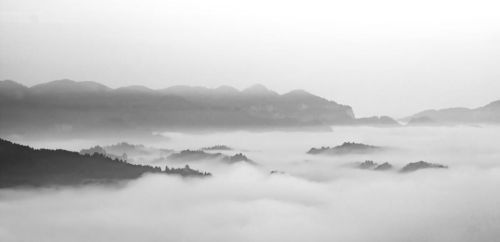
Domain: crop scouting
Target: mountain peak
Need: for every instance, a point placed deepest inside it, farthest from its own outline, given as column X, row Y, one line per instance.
column 259, row 89
column 12, row 89
column 298, row 93
column 227, row 90
column 134, row 88
column 184, row 90
column 67, row 85
column 10, row 84
column 494, row 104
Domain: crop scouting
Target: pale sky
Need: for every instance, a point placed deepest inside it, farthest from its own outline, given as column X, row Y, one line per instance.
column 388, row 57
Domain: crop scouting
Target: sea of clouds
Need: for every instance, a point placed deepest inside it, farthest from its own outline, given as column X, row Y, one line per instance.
column 316, row 199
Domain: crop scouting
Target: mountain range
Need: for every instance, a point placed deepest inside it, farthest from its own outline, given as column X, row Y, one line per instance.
column 71, row 107
column 488, row 114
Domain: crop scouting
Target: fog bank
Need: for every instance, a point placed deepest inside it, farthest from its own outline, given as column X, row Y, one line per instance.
column 246, row 205
column 317, row 199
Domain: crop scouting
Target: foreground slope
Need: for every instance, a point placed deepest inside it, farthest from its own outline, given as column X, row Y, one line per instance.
column 24, row 166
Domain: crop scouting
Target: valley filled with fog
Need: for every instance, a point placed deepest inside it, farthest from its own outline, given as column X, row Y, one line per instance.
column 283, row 194
column 249, row 121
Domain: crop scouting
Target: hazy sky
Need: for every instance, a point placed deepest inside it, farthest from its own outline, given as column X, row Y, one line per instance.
column 381, row 57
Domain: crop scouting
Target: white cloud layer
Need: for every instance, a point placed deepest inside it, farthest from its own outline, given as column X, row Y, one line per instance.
column 246, row 205
column 320, row 199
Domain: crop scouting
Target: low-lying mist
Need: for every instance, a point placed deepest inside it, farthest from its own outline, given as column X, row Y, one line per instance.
column 318, row 198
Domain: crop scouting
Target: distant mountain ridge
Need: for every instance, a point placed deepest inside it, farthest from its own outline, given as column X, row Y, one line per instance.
column 70, row 106
column 488, row 114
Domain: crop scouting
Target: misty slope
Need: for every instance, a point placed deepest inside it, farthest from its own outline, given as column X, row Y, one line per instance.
column 134, row 154
column 197, row 155
column 66, row 106
column 22, row 166
column 345, row 149
column 488, row 114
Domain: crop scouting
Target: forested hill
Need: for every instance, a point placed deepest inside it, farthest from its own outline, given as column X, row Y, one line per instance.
column 24, row 166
